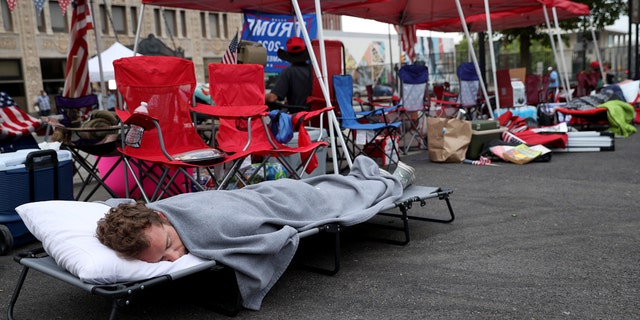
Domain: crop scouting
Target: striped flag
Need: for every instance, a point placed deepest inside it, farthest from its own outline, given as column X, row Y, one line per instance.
column 14, row 123
column 76, row 82
column 409, row 39
column 231, row 55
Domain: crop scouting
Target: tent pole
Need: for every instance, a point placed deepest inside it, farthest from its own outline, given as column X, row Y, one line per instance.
column 596, row 48
column 492, row 52
column 474, row 58
column 325, row 78
column 323, row 86
column 96, row 33
column 138, row 30
column 391, row 59
column 553, row 45
column 561, row 52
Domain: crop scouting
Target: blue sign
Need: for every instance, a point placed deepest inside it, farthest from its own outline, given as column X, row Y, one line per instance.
column 273, row 31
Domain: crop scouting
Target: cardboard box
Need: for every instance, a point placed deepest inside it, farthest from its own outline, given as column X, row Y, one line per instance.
column 478, row 138
column 15, row 187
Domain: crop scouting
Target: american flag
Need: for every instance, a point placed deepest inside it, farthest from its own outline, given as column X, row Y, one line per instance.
column 76, row 82
column 409, row 39
column 231, row 55
column 14, row 123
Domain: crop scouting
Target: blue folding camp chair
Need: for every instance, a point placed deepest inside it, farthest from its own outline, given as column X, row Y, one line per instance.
column 368, row 132
column 469, row 85
column 414, row 79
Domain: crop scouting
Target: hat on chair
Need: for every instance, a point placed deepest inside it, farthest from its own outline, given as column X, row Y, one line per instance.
column 296, row 51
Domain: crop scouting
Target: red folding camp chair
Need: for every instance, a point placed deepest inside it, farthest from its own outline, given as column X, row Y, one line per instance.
column 238, row 93
column 161, row 143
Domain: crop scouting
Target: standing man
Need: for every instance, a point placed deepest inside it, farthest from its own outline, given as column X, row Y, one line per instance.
column 294, row 83
column 553, row 84
column 608, row 73
column 44, row 106
column 111, row 101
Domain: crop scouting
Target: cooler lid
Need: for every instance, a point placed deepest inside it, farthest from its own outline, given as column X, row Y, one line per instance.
column 15, row 160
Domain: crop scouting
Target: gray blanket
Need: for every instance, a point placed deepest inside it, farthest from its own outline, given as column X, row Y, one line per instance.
column 254, row 230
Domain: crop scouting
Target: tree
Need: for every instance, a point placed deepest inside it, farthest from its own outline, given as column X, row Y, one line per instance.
column 603, row 13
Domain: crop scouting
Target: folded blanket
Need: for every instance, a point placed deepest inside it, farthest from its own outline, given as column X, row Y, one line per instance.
column 254, row 230
column 620, row 115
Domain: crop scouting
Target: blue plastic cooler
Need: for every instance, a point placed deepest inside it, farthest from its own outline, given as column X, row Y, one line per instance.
column 18, row 186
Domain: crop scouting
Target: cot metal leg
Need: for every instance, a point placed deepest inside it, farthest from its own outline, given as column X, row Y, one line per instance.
column 16, row 292
column 443, row 194
column 335, row 230
column 114, row 309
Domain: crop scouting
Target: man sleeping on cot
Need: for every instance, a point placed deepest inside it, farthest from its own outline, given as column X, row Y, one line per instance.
column 253, row 230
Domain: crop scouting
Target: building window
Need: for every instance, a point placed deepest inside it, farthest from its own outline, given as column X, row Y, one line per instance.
column 40, row 22
column 157, row 21
column 10, row 69
column 6, row 17
column 53, row 74
column 119, row 20
column 104, row 19
column 170, row 22
column 134, row 17
column 183, row 22
column 203, row 24
column 12, row 81
column 225, row 26
column 213, row 25
column 58, row 21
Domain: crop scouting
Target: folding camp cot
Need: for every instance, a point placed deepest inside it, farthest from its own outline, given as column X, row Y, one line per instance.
column 123, row 292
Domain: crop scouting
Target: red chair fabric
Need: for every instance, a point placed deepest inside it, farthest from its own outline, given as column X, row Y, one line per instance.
column 167, row 85
column 238, row 93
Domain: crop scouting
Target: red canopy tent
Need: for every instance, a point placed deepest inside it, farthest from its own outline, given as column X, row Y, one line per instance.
column 510, row 19
column 408, row 12
column 268, row 6
column 514, row 18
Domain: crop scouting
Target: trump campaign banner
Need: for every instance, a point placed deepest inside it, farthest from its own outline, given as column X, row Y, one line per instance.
column 273, row 31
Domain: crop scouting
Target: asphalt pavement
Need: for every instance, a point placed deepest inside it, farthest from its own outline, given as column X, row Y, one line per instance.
column 544, row 240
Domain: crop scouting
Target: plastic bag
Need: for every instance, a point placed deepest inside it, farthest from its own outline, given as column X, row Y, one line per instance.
column 281, row 126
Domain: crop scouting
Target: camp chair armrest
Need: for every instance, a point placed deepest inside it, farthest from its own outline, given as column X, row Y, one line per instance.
column 235, row 112
column 289, row 108
column 447, row 102
column 142, row 120
column 315, row 113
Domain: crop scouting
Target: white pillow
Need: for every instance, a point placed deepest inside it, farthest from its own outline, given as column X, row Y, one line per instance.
column 630, row 90
column 67, row 232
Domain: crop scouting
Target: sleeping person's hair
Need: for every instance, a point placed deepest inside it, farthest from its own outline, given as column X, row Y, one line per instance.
column 122, row 228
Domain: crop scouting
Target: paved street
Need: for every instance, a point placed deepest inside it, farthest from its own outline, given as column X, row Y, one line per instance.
column 555, row 240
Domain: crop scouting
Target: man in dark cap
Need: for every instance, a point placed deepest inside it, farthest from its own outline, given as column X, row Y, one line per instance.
column 294, row 83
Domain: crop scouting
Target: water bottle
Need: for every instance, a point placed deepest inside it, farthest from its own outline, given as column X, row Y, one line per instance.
column 134, row 135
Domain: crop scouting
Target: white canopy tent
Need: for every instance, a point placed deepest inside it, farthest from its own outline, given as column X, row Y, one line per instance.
column 116, row 51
